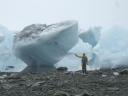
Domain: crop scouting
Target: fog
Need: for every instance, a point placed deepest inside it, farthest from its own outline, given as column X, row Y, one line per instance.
column 16, row 14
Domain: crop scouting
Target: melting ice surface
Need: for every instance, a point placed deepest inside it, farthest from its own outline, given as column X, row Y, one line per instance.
column 91, row 36
column 73, row 62
column 6, row 54
column 45, row 46
column 110, row 51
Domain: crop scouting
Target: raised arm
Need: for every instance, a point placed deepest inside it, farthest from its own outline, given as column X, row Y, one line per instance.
column 78, row 56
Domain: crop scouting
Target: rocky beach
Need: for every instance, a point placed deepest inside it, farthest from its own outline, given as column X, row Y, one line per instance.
column 64, row 83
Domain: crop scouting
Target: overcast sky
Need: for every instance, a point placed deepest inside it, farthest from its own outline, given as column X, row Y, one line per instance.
column 16, row 14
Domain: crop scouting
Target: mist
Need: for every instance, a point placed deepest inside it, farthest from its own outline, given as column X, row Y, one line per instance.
column 15, row 14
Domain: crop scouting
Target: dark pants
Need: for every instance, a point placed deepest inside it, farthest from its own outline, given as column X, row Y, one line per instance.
column 84, row 70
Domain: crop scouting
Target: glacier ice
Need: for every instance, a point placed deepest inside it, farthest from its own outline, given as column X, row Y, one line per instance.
column 111, row 51
column 7, row 58
column 112, row 48
column 48, row 45
column 1, row 37
column 44, row 45
column 91, row 36
column 72, row 62
column 6, row 42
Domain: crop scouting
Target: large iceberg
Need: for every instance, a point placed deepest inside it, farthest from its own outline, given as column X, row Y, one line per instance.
column 91, row 36
column 42, row 45
column 72, row 62
column 8, row 61
column 111, row 51
column 112, row 48
column 1, row 37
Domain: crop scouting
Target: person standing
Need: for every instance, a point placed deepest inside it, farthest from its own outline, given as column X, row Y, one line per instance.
column 84, row 61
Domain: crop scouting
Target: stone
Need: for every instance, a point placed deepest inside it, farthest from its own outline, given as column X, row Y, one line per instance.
column 123, row 72
column 7, row 86
column 113, row 88
column 115, row 73
column 38, row 84
column 62, row 69
column 61, row 93
column 85, row 93
column 104, row 75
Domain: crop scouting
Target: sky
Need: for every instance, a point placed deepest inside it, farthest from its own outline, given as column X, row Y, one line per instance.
column 16, row 14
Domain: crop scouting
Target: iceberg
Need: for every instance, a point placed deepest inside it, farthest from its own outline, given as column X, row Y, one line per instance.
column 111, row 51
column 72, row 62
column 1, row 37
column 91, row 36
column 7, row 58
column 5, row 33
column 42, row 45
column 112, row 48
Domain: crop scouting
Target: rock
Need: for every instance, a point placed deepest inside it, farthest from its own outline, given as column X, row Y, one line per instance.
column 2, row 81
column 115, row 73
column 85, row 93
column 113, row 89
column 38, row 84
column 7, row 86
column 123, row 72
column 3, row 76
column 104, row 75
column 67, row 73
column 61, row 93
column 62, row 69
column 14, row 77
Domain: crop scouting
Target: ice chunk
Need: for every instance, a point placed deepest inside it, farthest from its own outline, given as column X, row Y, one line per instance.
column 91, row 36
column 72, row 62
column 7, row 38
column 8, row 59
column 1, row 36
column 46, row 45
column 30, row 32
column 6, row 53
column 112, row 49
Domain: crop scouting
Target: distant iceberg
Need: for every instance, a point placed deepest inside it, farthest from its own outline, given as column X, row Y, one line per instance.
column 1, row 37
column 110, row 51
column 112, row 48
column 7, row 58
column 71, row 61
column 43, row 45
column 91, row 36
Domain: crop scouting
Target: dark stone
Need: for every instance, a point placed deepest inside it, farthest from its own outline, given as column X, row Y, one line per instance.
column 33, row 68
column 85, row 93
column 61, row 93
column 123, row 72
column 62, row 69
column 113, row 89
